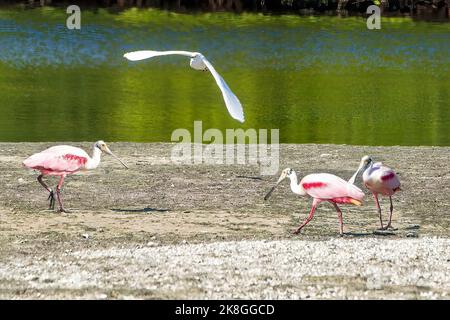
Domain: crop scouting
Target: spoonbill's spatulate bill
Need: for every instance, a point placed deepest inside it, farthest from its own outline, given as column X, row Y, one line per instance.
column 64, row 160
column 322, row 187
column 198, row 62
column 379, row 179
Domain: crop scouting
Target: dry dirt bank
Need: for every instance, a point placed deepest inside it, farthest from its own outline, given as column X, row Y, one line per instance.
column 177, row 205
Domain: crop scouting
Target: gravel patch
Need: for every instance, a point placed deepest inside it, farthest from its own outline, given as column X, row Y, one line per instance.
column 286, row 269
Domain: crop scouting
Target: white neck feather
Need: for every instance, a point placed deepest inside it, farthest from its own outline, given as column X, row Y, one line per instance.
column 295, row 187
column 94, row 161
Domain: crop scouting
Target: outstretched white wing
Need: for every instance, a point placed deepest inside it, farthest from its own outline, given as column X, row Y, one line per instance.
column 145, row 54
column 231, row 101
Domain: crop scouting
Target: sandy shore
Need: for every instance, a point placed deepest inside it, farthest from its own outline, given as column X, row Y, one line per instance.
column 157, row 214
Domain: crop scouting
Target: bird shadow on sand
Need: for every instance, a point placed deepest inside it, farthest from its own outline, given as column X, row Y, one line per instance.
column 249, row 177
column 144, row 210
column 358, row 234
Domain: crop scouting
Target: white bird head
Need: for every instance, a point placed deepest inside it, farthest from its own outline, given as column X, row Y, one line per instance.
column 286, row 173
column 365, row 162
column 100, row 144
column 197, row 62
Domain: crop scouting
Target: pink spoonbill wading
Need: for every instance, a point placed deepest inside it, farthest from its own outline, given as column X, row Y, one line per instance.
column 322, row 187
column 379, row 179
column 62, row 161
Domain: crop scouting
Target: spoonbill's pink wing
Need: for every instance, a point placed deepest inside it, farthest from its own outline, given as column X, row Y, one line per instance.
column 58, row 159
column 390, row 179
column 328, row 186
column 383, row 179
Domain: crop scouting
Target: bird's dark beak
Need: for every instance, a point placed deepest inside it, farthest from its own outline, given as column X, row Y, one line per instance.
column 282, row 177
column 270, row 192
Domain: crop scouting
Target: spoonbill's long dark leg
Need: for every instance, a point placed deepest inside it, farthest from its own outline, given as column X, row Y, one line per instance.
column 375, row 195
column 58, row 194
column 310, row 216
column 390, row 215
column 51, row 196
column 341, row 222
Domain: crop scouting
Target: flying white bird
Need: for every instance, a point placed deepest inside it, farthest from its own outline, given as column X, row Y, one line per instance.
column 198, row 62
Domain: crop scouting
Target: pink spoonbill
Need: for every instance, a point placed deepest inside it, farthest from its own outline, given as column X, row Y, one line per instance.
column 379, row 179
column 322, row 187
column 63, row 160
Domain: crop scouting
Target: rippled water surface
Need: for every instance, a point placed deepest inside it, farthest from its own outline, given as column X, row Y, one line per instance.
column 317, row 79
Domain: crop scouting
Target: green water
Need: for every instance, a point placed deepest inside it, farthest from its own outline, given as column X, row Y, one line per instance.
column 317, row 79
